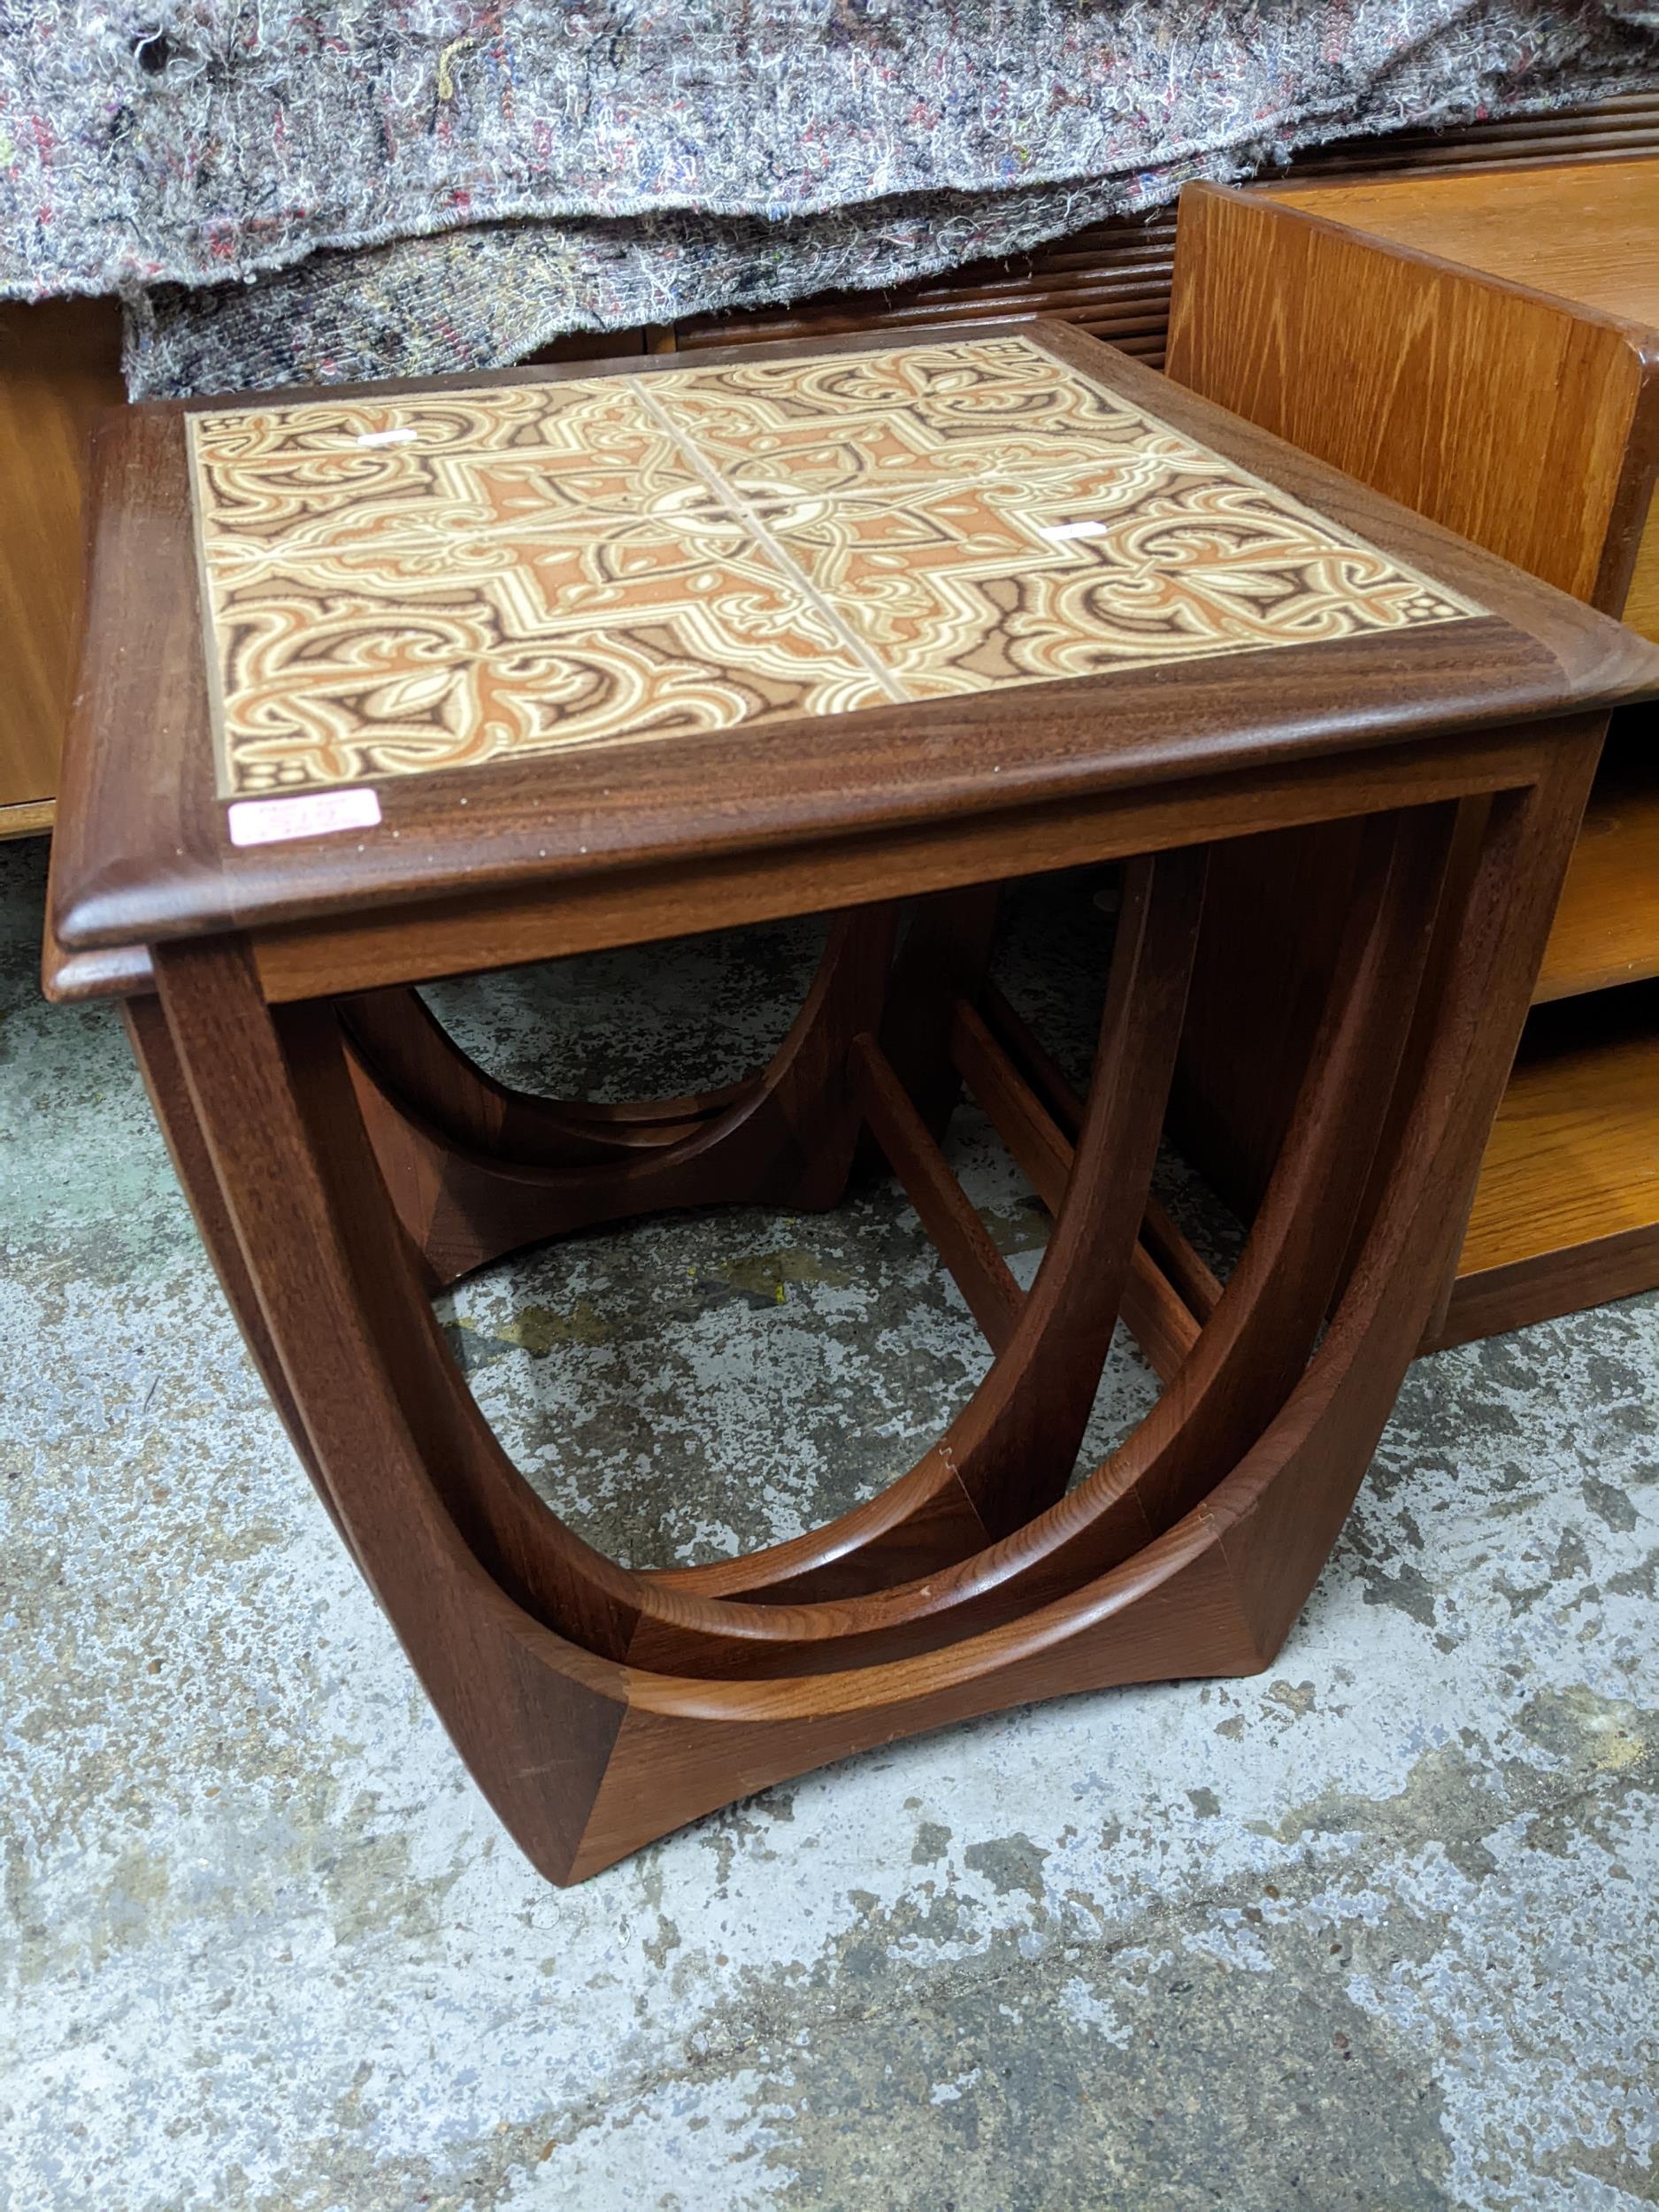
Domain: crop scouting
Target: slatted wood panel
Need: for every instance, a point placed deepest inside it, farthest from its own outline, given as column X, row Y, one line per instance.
column 1114, row 278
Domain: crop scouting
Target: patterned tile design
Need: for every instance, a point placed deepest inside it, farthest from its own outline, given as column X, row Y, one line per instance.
column 403, row 585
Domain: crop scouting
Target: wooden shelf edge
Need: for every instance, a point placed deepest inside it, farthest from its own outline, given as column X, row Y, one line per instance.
column 1567, row 1211
column 1552, row 1284
column 27, row 817
column 1586, row 984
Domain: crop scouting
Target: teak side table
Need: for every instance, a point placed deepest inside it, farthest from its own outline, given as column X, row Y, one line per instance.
column 385, row 685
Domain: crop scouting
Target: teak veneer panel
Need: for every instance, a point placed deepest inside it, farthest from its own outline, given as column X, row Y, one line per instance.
column 1473, row 402
column 1561, row 229
column 1641, row 602
column 416, row 943
column 1484, row 347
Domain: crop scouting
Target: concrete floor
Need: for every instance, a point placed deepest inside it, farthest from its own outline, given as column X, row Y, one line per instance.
column 1375, row 1929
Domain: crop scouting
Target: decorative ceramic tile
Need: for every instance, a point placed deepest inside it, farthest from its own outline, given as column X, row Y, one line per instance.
column 408, row 584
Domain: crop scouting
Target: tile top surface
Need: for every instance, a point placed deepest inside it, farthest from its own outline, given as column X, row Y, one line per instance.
column 401, row 585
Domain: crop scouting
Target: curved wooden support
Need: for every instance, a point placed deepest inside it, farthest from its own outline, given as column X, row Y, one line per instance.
column 1011, row 1450
column 1013, row 1446
column 586, row 1759
column 477, row 1171
column 1021, row 1430
column 1217, row 1592
column 1254, row 1348
column 409, row 1056
column 441, row 1122
column 1022, row 1425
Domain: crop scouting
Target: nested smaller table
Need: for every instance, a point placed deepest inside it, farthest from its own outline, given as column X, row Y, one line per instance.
column 405, row 681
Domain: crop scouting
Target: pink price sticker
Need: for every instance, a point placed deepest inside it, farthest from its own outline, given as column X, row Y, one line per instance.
column 311, row 814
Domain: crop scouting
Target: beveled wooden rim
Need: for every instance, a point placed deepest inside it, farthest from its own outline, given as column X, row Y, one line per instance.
column 143, row 856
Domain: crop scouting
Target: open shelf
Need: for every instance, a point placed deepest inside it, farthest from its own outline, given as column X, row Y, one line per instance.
column 1573, row 1162
column 1607, row 925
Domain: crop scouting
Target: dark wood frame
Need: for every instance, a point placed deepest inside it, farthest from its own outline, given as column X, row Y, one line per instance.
column 599, row 1708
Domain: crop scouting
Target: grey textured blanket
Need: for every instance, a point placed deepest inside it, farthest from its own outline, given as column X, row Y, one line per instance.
column 281, row 191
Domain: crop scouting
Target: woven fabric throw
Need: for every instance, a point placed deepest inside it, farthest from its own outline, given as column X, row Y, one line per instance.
column 284, row 192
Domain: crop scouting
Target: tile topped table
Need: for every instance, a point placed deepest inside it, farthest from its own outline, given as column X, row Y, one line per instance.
column 400, row 682
column 399, row 586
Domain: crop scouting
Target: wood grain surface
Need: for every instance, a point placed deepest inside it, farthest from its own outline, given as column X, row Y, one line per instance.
column 1606, row 930
column 1567, row 229
column 1574, row 1152
column 1641, row 601
column 59, row 367
column 1485, row 346
column 1475, row 401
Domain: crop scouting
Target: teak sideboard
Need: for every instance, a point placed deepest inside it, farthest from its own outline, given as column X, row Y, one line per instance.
column 1483, row 346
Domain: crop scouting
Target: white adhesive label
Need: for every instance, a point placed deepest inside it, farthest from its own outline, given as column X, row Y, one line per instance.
column 386, row 437
column 311, row 814
column 1062, row 530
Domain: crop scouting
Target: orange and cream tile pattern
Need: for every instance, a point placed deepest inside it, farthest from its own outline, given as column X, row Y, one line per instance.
column 408, row 584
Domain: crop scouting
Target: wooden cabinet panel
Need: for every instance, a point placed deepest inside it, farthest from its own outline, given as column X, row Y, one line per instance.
column 1564, row 228
column 1641, row 603
column 1469, row 401
column 1585, row 1111
column 1484, row 347
column 1607, row 924
column 59, row 365
column 1567, row 1210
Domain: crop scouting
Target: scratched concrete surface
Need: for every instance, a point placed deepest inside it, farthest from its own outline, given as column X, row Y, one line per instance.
column 1375, row 1929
